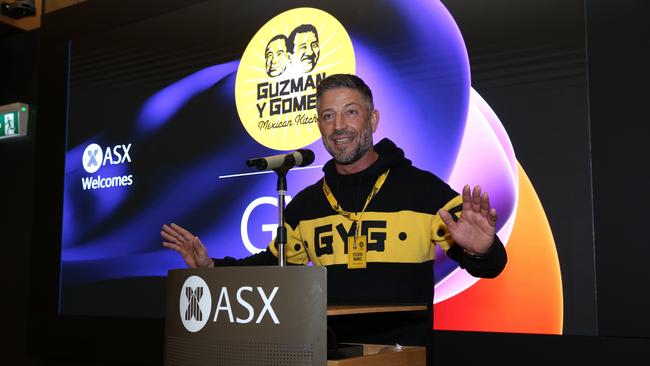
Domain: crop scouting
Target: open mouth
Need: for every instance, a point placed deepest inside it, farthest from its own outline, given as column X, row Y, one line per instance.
column 343, row 140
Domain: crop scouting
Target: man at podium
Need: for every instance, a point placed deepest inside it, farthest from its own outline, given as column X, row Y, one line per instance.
column 374, row 219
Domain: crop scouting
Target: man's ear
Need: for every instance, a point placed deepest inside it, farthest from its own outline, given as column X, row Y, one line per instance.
column 374, row 120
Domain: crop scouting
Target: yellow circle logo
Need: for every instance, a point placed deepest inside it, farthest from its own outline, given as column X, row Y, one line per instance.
column 275, row 89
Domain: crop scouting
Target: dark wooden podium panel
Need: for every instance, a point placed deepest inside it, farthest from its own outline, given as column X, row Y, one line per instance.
column 378, row 354
column 383, row 355
column 333, row 310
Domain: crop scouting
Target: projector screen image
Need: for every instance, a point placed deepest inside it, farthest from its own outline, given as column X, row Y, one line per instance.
column 160, row 125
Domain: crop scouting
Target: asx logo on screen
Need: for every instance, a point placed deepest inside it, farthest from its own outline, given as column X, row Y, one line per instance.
column 94, row 158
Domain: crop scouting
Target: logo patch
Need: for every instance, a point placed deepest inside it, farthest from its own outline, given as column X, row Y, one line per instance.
column 195, row 303
column 92, row 158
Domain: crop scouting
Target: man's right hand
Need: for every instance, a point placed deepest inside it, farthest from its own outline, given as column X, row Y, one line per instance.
column 187, row 244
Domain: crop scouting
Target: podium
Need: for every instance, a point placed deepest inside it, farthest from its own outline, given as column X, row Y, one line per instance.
column 264, row 315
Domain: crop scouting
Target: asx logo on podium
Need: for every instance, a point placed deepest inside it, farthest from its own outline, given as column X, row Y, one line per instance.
column 94, row 158
column 195, row 305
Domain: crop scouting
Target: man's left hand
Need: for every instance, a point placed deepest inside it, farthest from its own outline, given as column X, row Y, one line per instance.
column 476, row 229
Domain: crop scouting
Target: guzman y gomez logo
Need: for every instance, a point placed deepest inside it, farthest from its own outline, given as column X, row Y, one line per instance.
column 94, row 158
column 279, row 71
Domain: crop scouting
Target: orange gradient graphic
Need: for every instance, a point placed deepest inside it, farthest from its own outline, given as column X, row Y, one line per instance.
column 527, row 296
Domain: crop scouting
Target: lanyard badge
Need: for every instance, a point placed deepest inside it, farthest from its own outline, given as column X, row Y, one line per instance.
column 357, row 245
column 357, row 252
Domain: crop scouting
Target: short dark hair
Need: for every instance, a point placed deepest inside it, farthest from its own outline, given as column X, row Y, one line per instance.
column 336, row 81
column 303, row 28
column 278, row 37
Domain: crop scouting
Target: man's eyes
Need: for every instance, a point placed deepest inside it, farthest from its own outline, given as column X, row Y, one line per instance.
column 351, row 112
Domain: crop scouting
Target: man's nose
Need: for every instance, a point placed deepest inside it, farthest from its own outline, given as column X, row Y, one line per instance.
column 339, row 123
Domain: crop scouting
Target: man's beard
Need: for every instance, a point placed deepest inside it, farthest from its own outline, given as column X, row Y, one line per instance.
column 345, row 158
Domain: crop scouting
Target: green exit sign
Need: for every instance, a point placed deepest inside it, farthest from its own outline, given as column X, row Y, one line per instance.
column 13, row 120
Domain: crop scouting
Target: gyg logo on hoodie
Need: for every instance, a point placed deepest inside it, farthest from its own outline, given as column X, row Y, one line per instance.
column 275, row 89
column 94, row 158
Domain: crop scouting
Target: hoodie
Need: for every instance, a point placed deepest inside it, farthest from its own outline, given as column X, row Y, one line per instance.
column 401, row 225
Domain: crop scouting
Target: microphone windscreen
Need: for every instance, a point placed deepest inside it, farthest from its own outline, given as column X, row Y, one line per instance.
column 307, row 157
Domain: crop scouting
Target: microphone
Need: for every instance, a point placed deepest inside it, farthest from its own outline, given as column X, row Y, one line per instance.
column 301, row 157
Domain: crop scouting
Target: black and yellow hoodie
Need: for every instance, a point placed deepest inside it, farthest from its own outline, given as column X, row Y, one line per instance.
column 401, row 225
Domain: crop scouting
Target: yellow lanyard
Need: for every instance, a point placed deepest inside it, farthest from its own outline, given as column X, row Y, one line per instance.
column 353, row 215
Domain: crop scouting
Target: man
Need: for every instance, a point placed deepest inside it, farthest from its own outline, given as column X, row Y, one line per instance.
column 305, row 49
column 276, row 55
column 374, row 219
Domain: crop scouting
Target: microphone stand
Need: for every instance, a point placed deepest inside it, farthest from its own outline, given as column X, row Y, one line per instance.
column 281, row 235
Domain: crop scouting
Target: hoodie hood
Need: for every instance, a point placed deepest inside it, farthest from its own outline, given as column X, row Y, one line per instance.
column 351, row 190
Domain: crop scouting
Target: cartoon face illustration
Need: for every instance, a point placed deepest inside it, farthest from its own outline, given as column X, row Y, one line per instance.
column 305, row 47
column 276, row 55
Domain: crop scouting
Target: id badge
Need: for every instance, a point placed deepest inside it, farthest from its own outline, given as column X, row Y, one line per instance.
column 357, row 252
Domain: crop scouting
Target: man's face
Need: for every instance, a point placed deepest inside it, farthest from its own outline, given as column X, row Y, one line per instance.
column 276, row 57
column 306, row 51
column 346, row 125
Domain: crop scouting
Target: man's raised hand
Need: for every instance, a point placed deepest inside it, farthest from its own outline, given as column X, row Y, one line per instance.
column 187, row 244
column 476, row 229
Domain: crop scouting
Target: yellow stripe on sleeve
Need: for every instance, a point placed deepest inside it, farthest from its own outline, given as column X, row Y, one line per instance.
column 440, row 233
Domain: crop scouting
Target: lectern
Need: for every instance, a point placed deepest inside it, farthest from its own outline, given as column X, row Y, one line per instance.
column 246, row 316
column 263, row 315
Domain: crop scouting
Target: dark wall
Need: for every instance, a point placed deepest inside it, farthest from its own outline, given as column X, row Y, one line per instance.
column 617, row 50
column 18, row 83
column 619, row 57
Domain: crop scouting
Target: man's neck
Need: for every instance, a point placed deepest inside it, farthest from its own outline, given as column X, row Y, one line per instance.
column 360, row 165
